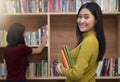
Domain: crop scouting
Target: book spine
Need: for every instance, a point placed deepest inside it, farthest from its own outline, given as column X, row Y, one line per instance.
column 65, row 63
column 69, row 57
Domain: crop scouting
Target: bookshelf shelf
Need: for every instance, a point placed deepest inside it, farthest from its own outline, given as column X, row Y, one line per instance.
column 56, row 13
column 53, row 13
column 63, row 78
column 108, row 77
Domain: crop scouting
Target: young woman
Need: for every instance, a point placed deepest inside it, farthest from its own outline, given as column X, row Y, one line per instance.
column 16, row 52
column 91, row 45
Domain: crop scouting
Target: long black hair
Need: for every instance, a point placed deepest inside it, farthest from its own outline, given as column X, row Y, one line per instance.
column 15, row 34
column 95, row 9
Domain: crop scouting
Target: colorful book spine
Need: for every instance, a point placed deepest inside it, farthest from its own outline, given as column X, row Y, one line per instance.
column 68, row 55
column 65, row 62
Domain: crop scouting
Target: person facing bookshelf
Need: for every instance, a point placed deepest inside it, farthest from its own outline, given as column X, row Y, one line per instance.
column 16, row 53
column 90, row 48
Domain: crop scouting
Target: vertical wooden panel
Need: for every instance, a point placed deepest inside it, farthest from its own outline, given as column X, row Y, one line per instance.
column 62, row 32
column 111, row 35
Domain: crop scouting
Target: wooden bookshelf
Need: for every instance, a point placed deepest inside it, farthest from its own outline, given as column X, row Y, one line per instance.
column 61, row 31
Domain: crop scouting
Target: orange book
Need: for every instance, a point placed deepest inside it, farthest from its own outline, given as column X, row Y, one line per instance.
column 65, row 62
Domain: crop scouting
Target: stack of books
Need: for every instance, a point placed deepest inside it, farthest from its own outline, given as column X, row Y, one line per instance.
column 66, row 58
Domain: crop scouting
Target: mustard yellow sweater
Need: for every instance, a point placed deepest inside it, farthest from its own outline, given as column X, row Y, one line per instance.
column 84, row 58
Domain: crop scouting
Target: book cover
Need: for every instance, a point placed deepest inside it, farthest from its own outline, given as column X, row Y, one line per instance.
column 64, row 59
column 53, row 68
column 68, row 55
column 99, row 68
column 107, row 68
column 67, row 61
column 65, row 52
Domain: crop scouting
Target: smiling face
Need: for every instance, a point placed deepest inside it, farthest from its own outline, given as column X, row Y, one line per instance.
column 85, row 20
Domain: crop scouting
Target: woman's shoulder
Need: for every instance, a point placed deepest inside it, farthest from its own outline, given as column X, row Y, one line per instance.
column 90, row 41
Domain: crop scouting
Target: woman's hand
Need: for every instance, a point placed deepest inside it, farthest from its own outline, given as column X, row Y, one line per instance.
column 40, row 47
column 58, row 68
column 44, row 38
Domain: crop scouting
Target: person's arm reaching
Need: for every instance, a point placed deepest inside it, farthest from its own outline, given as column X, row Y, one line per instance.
column 40, row 48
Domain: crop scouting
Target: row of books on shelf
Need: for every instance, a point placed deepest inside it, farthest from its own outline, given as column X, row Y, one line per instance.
column 36, row 6
column 109, row 67
column 38, row 69
column 109, row 5
column 31, row 38
column 106, row 67
column 35, row 38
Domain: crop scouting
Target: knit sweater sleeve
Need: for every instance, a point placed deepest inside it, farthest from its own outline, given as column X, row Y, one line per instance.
column 85, row 53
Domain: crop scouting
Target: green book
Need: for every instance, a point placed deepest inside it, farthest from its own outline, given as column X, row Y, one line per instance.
column 69, row 57
column 66, row 56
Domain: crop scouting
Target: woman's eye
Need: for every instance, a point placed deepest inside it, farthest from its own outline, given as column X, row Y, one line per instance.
column 86, row 17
